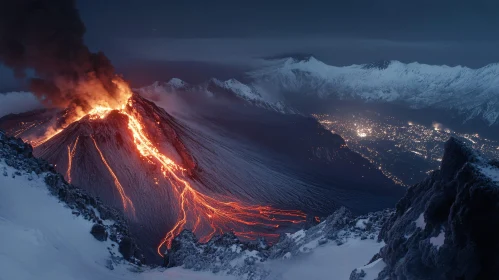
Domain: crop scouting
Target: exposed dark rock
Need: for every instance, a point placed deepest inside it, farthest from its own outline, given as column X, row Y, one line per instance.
column 380, row 65
column 99, row 232
column 447, row 226
column 109, row 265
column 126, row 248
column 357, row 274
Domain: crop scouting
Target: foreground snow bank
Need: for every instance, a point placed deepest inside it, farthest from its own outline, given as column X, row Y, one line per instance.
column 41, row 239
column 330, row 261
column 329, row 250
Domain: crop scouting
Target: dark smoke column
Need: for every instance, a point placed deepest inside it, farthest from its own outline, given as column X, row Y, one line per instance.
column 46, row 36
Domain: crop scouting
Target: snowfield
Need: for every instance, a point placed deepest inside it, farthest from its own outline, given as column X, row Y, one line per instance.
column 326, row 262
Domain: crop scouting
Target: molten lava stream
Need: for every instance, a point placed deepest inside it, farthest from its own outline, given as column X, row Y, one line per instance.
column 204, row 210
column 124, row 198
column 71, row 154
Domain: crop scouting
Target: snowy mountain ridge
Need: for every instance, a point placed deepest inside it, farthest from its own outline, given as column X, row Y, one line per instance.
column 435, row 228
column 339, row 236
column 214, row 87
column 472, row 92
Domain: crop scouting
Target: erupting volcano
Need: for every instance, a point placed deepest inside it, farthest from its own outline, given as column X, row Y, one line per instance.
column 205, row 214
column 167, row 175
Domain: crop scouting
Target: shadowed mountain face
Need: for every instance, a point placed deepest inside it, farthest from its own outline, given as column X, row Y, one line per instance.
column 226, row 154
column 446, row 226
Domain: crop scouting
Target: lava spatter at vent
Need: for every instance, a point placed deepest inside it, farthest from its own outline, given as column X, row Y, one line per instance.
column 205, row 214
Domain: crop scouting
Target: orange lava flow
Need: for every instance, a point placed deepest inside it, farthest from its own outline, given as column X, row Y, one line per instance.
column 197, row 208
column 71, row 154
column 124, row 198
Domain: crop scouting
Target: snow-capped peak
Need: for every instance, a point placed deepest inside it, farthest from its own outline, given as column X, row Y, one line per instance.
column 239, row 89
column 473, row 93
column 177, row 83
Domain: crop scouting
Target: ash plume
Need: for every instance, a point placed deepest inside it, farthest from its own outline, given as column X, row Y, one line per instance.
column 46, row 37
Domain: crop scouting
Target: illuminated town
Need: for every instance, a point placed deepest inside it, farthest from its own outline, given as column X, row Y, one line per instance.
column 405, row 152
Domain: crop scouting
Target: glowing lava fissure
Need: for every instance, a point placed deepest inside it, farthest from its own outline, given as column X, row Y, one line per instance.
column 127, row 202
column 71, row 154
column 206, row 215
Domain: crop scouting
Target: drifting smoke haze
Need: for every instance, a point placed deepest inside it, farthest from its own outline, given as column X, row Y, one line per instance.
column 46, row 37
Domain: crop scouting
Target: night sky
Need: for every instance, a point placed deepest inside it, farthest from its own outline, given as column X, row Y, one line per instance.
column 153, row 39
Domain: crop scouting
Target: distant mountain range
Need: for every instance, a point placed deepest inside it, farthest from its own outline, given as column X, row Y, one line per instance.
column 471, row 93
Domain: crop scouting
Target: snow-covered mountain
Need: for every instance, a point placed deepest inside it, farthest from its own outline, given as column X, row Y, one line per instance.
column 471, row 93
column 231, row 88
column 446, row 227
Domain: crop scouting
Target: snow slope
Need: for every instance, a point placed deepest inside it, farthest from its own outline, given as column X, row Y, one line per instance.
column 472, row 92
column 217, row 88
column 326, row 262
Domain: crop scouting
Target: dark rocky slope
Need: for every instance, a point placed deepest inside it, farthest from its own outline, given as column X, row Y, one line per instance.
column 447, row 226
